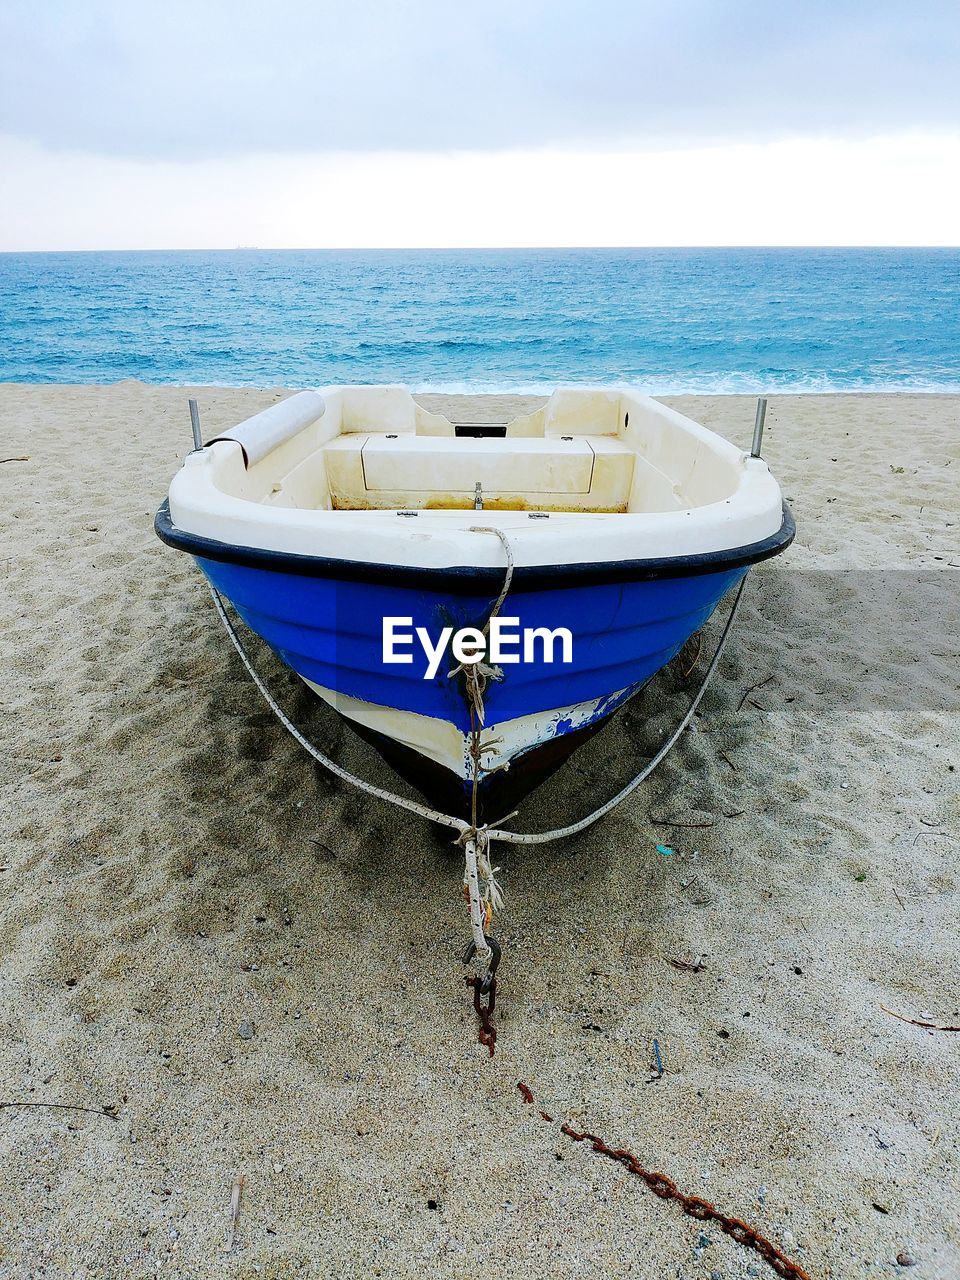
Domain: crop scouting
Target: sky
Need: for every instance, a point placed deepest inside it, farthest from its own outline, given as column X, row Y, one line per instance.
column 304, row 123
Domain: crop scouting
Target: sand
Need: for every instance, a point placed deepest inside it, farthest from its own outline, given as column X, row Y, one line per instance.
column 257, row 970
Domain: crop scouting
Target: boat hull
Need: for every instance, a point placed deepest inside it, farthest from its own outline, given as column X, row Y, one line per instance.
column 497, row 793
column 330, row 631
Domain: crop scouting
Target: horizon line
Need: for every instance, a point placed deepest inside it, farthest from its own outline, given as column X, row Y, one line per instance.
column 474, row 248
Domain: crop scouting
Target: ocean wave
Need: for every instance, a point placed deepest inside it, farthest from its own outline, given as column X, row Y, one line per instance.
column 718, row 385
column 721, row 385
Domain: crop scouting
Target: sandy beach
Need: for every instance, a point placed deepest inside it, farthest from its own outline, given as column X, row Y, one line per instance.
column 246, row 970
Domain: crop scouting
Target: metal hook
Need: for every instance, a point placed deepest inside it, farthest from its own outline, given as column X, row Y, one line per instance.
column 486, row 982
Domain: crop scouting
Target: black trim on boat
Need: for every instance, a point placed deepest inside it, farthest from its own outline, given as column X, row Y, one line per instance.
column 470, row 579
column 480, row 431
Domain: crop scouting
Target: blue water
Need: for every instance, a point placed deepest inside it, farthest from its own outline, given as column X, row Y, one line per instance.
column 669, row 320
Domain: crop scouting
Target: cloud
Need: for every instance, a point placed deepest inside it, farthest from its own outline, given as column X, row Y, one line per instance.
column 213, row 78
column 882, row 191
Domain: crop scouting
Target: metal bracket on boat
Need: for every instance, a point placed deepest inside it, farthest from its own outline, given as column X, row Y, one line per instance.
column 195, row 424
column 758, row 427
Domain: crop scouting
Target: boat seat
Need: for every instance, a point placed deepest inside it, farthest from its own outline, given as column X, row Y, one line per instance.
column 388, row 472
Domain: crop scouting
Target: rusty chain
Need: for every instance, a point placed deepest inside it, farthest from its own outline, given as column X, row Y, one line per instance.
column 488, row 1032
column 667, row 1189
column 486, row 985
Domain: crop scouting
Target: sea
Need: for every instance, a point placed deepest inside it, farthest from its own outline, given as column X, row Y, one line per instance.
column 666, row 320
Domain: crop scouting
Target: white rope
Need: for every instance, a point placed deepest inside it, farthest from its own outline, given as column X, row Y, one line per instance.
column 484, row 902
column 413, row 806
column 471, row 882
column 508, row 580
column 492, row 893
column 561, row 833
column 478, row 674
column 458, row 824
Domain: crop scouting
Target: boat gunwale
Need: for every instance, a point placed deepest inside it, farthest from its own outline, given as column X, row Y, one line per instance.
column 476, row 579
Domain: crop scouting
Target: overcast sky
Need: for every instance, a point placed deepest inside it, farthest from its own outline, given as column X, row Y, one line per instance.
column 212, row 123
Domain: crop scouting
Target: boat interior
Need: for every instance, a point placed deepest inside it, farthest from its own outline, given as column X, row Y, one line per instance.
column 376, row 448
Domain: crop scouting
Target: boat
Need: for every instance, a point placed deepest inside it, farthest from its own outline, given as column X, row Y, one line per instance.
column 369, row 541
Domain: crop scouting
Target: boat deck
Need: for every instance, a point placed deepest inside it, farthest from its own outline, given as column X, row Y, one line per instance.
column 377, row 472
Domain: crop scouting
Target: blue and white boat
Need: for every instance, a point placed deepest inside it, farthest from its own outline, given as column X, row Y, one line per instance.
column 354, row 531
